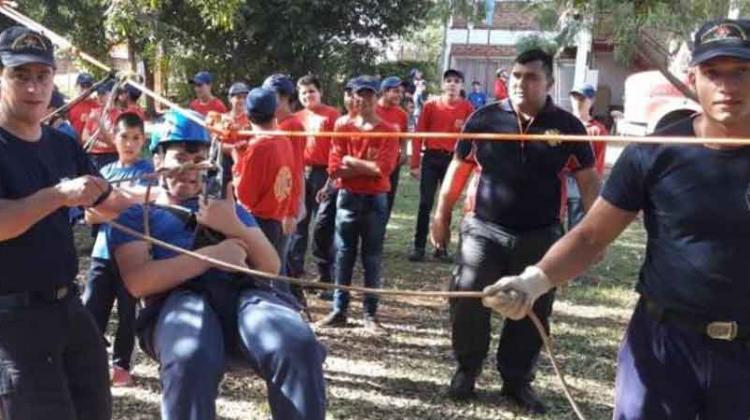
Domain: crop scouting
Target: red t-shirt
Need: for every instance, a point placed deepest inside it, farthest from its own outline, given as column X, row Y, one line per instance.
column 439, row 116
column 381, row 150
column 235, row 122
column 80, row 112
column 595, row 128
column 203, row 108
column 322, row 118
column 394, row 115
column 291, row 123
column 264, row 177
column 92, row 125
column 501, row 89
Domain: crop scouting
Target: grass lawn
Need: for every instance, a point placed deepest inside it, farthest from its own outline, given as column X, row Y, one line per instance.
column 405, row 375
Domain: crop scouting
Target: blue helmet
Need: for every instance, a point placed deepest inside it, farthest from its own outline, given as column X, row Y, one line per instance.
column 177, row 128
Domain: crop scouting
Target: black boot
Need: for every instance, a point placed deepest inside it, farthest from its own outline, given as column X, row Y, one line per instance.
column 525, row 397
column 462, row 385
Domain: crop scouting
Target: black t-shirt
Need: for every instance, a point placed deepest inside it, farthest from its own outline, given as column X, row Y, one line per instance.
column 519, row 184
column 696, row 207
column 44, row 256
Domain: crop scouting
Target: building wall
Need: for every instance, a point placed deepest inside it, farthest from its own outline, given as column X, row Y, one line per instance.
column 611, row 77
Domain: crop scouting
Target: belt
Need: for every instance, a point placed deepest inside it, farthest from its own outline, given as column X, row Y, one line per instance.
column 26, row 299
column 718, row 330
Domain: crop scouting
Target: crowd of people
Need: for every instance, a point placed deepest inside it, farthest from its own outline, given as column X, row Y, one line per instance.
column 280, row 194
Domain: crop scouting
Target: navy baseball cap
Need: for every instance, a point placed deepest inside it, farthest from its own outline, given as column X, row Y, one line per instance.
column 722, row 38
column 366, row 82
column 105, row 87
column 238, row 88
column 349, row 86
column 57, row 100
column 280, row 83
column 261, row 102
column 85, row 80
column 390, row 83
column 20, row 45
column 454, row 73
column 586, row 89
column 202, row 78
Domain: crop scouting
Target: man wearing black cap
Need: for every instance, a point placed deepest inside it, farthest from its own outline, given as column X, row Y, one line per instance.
column 446, row 114
column 389, row 110
column 53, row 364
column 205, row 101
column 514, row 218
column 685, row 354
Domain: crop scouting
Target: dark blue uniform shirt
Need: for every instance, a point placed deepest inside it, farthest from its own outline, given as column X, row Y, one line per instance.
column 696, row 208
column 520, row 183
column 44, row 256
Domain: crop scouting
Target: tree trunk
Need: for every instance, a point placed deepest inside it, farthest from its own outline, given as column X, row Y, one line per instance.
column 646, row 52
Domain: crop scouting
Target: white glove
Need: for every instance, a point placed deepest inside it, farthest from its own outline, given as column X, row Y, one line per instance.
column 513, row 296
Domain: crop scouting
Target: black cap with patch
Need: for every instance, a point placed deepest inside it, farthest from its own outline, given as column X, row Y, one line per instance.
column 20, row 45
column 454, row 73
column 722, row 38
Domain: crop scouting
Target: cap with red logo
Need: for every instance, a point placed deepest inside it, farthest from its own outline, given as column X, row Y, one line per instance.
column 722, row 38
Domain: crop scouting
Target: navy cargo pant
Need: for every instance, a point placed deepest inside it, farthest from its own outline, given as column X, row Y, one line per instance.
column 488, row 252
column 53, row 364
column 666, row 372
column 273, row 340
column 434, row 166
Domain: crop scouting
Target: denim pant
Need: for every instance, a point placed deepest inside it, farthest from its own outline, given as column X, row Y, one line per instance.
column 574, row 204
column 665, row 372
column 274, row 341
column 322, row 216
column 103, row 286
column 434, row 166
column 488, row 252
column 53, row 364
column 359, row 217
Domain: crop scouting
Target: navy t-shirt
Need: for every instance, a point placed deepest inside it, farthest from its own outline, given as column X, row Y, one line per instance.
column 696, row 207
column 44, row 256
column 520, row 182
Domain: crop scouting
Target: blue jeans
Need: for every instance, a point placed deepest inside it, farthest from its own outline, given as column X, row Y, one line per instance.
column 665, row 372
column 274, row 341
column 103, row 286
column 359, row 217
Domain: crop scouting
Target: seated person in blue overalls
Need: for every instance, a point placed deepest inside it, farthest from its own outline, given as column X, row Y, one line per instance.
column 196, row 318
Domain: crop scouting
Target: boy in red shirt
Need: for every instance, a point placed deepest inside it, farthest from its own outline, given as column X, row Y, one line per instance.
column 79, row 112
column 97, row 135
column 205, row 101
column 263, row 172
column 389, row 110
column 361, row 168
column 443, row 115
column 315, row 117
column 235, row 119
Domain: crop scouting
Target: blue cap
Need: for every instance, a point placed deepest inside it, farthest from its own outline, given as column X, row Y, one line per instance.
column 177, row 128
column 279, row 83
column 105, row 87
column 261, row 102
column 238, row 88
column 350, row 84
column 390, row 83
column 20, row 45
column 586, row 89
column 366, row 82
column 57, row 100
column 85, row 80
column 202, row 78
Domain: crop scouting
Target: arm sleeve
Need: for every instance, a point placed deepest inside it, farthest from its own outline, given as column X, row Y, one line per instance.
column 337, row 151
column 625, row 185
column 245, row 217
column 388, row 155
column 132, row 217
column 581, row 152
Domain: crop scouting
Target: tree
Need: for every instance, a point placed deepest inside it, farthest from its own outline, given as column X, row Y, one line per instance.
column 643, row 27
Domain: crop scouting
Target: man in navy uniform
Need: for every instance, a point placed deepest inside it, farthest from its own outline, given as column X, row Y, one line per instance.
column 53, row 364
column 686, row 352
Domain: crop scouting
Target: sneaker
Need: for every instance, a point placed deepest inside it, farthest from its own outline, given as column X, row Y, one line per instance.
column 525, row 397
column 417, row 255
column 121, row 377
column 442, row 256
column 372, row 326
column 462, row 386
column 333, row 319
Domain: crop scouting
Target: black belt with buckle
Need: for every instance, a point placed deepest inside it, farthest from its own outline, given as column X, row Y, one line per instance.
column 718, row 330
column 25, row 299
